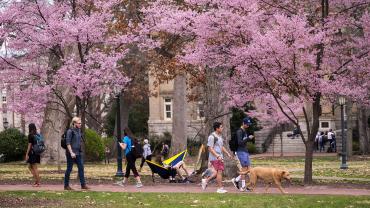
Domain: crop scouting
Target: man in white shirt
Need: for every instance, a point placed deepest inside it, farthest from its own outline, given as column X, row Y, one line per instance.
column 331, row 139
column 216, row 150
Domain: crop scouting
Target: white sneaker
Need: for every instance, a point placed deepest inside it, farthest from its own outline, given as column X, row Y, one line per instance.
column 221, row 191
column 204, row 184
column 120, row 183
column 139, row 185
column 235, row 183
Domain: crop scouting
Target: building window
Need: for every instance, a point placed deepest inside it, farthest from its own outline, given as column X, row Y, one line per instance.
column 200, row 110
column 4, row 99
column 325, row 124
column 167, row 108
column 5, row 123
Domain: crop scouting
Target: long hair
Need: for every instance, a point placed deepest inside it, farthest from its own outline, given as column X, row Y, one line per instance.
column 128, row 132
column 32, row 129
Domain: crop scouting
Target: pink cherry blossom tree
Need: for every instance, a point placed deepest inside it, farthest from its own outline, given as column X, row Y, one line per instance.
column 58, row 55
column 295, row 53
column 50, row 44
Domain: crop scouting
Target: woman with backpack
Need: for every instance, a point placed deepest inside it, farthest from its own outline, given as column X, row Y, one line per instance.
column 127, row 146
column 31, row 157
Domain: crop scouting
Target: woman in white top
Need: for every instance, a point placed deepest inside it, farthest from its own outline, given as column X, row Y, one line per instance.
column 147, row 154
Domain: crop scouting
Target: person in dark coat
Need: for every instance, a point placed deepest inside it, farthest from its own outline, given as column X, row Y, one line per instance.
column 31, row 157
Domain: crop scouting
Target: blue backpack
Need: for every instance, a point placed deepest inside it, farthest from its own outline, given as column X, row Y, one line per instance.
column 39, row 146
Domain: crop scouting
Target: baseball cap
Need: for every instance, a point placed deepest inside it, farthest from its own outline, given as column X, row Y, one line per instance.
column 247, row 121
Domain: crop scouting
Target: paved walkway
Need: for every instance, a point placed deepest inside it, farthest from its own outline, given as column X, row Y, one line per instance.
column 193, row 188
column 294, row 154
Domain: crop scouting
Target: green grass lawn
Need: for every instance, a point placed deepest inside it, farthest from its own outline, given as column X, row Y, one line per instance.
column 127, row 200
column 325, row 167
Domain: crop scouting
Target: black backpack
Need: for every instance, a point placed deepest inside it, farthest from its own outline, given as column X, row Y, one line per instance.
column 63, row 141
column 136, row 149
column 233, row 143
column 39, row 146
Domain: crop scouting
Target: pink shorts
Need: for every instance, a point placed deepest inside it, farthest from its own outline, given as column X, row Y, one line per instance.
column 218, row 165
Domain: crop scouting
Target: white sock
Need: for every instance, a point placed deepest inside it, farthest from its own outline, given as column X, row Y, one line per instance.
column 243, row 183
column 237, row 178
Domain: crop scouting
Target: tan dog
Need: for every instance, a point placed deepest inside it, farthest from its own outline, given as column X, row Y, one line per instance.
column 268, row 175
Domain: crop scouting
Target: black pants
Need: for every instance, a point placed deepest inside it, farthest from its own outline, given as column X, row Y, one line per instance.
column 106, row 159
column 149, row 157
column 130, row 165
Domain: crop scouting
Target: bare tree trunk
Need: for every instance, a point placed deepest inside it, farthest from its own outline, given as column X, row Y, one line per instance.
column 362, row 127
column 215, row 110
column 349, row 137
column 23, row 124
column 94, row 117
column 125, row 110
column 273, row 147
column 368, row 126
column 179, row 140
column 231, row 169
column 309, row 143
column 55, row 122
column 281, row 143
column 211, row 110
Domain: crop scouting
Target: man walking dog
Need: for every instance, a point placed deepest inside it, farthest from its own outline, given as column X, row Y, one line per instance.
column 242, row 152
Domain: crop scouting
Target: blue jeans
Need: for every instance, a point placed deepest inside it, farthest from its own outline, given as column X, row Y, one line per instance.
column 80, row 165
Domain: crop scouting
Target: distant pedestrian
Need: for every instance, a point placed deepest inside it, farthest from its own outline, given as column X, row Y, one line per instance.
column 107, row 153
column 316, row 143
column 126, row 144
column 147, row 154
column 332, row 141
column 321, row 142
column 165, row 151
column 216, row 150
column 74, row 153
column 31, row 157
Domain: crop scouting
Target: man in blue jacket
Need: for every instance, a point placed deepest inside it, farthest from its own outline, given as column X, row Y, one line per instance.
column 74, row 153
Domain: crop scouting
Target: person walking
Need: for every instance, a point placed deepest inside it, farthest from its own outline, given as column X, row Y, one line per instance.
column 74, row 153
column 332, row 142
column 216, row 158
column 107, row 152
column 31, row 157
column 242, row 153
column 126, row 145
column 147, row 154
column 165, row 151
column 321, row 141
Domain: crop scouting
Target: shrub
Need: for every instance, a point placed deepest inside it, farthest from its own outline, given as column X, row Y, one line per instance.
column 251, row 148
column 13, row 145
column 94, row 146
column 109, row 142
column 193, row 146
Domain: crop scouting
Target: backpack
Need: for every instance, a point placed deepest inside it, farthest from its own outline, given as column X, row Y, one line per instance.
column 63, row 141
column 136, row 149
column 39, row 146
column 233, row 142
